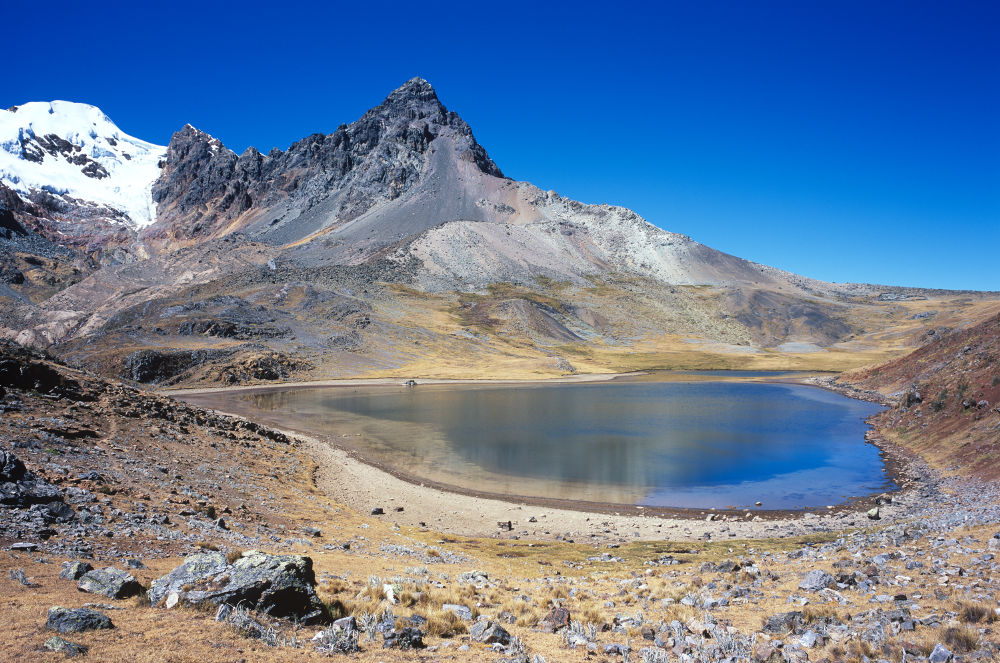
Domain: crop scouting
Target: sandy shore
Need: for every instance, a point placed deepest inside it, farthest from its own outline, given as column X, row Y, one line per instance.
column 363, row 488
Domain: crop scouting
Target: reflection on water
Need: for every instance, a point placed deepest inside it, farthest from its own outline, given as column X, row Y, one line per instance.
column 696, row 444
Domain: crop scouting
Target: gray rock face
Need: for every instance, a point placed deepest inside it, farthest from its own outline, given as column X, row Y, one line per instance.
column 74, row 570
column 816, row 580
column 279, row 585
column 489, row 632
column 204, row 186
column 76, row 620
column 110, row 582
column 63, row 646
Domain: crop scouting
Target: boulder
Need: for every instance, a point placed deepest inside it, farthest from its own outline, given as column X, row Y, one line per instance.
column 816, row 580
column 488, row 632
column 76, row 620
column 110, row 582
column 278, row 585
column 74, row 570
column 63, row 646
column 873, row 514
column 460, row 610
column 940, row 654
column 555, row 620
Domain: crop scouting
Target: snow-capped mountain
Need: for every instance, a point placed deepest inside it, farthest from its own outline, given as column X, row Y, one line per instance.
column 75, row 152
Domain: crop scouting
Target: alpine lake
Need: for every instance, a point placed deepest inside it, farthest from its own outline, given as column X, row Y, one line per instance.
column 708, row 439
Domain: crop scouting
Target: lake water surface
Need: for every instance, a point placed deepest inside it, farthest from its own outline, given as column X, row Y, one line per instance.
column 711, row 442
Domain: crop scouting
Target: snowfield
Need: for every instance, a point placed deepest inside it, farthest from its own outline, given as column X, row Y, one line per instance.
column 31, row 161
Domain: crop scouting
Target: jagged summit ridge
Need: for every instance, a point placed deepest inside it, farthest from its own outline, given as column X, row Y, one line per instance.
column 319, row 182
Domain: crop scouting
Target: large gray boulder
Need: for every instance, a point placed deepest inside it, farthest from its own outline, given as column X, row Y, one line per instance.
column 75, row 620
column 278, row 585
column 110, row 582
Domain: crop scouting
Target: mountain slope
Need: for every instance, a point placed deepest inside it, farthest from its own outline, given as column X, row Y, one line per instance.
column 947, row 397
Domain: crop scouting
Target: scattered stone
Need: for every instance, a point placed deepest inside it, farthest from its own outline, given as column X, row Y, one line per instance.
column 76, row 620
column 378, row 511
column 873, row 514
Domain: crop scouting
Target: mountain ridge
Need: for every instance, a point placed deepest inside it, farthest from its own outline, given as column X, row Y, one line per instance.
column 394, row 241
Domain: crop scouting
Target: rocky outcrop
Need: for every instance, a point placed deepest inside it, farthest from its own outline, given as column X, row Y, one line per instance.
column 157, row 366
column 278, row 585
column 19, row 370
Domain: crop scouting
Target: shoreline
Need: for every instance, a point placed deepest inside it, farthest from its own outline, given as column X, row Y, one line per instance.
column 395, row 382
column 364, row 483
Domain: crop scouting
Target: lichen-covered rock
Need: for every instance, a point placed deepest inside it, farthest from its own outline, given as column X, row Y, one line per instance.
column 63, row 646
column 110, row 582
column 76, row 620
column 278, row 585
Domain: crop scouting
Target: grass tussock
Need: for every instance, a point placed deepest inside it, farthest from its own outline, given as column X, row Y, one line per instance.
column 961, row 639
column 976, row 613
column 444, row 624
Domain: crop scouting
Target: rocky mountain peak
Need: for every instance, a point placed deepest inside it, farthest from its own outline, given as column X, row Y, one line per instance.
column 331, row 178
column 415, row 89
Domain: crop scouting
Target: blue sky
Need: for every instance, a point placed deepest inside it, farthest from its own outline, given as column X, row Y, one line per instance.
column 847, row 141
